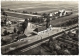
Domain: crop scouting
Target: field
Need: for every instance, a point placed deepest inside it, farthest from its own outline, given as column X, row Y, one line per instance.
column 40, row 7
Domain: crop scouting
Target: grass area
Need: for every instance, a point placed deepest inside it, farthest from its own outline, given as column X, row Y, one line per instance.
column 40, row 6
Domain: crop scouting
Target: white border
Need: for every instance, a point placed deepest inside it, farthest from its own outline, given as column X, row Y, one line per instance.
column 39, row 0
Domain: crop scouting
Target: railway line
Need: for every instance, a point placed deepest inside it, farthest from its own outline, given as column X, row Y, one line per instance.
column 27, row 45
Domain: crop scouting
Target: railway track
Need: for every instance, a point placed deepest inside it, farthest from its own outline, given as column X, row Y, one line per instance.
column 26, row 47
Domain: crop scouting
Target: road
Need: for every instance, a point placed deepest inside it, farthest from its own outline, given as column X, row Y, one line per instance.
column 17, row 13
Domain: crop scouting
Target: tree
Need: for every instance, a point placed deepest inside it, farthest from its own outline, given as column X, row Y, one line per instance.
column 4, row 14
column 2, row 9
column 47, row 22
column 15, row 30
column 24, row 25
column 8, row 9
column 45, row 15
column 5, row 32
column 3, row 42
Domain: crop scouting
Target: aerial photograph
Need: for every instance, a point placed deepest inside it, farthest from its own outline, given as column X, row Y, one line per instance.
column 39, row 28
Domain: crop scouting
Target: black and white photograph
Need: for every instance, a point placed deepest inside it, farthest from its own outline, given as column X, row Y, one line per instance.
column 40, row 27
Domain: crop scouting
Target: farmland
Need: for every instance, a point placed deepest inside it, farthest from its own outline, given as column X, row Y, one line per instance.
column 40, row 7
